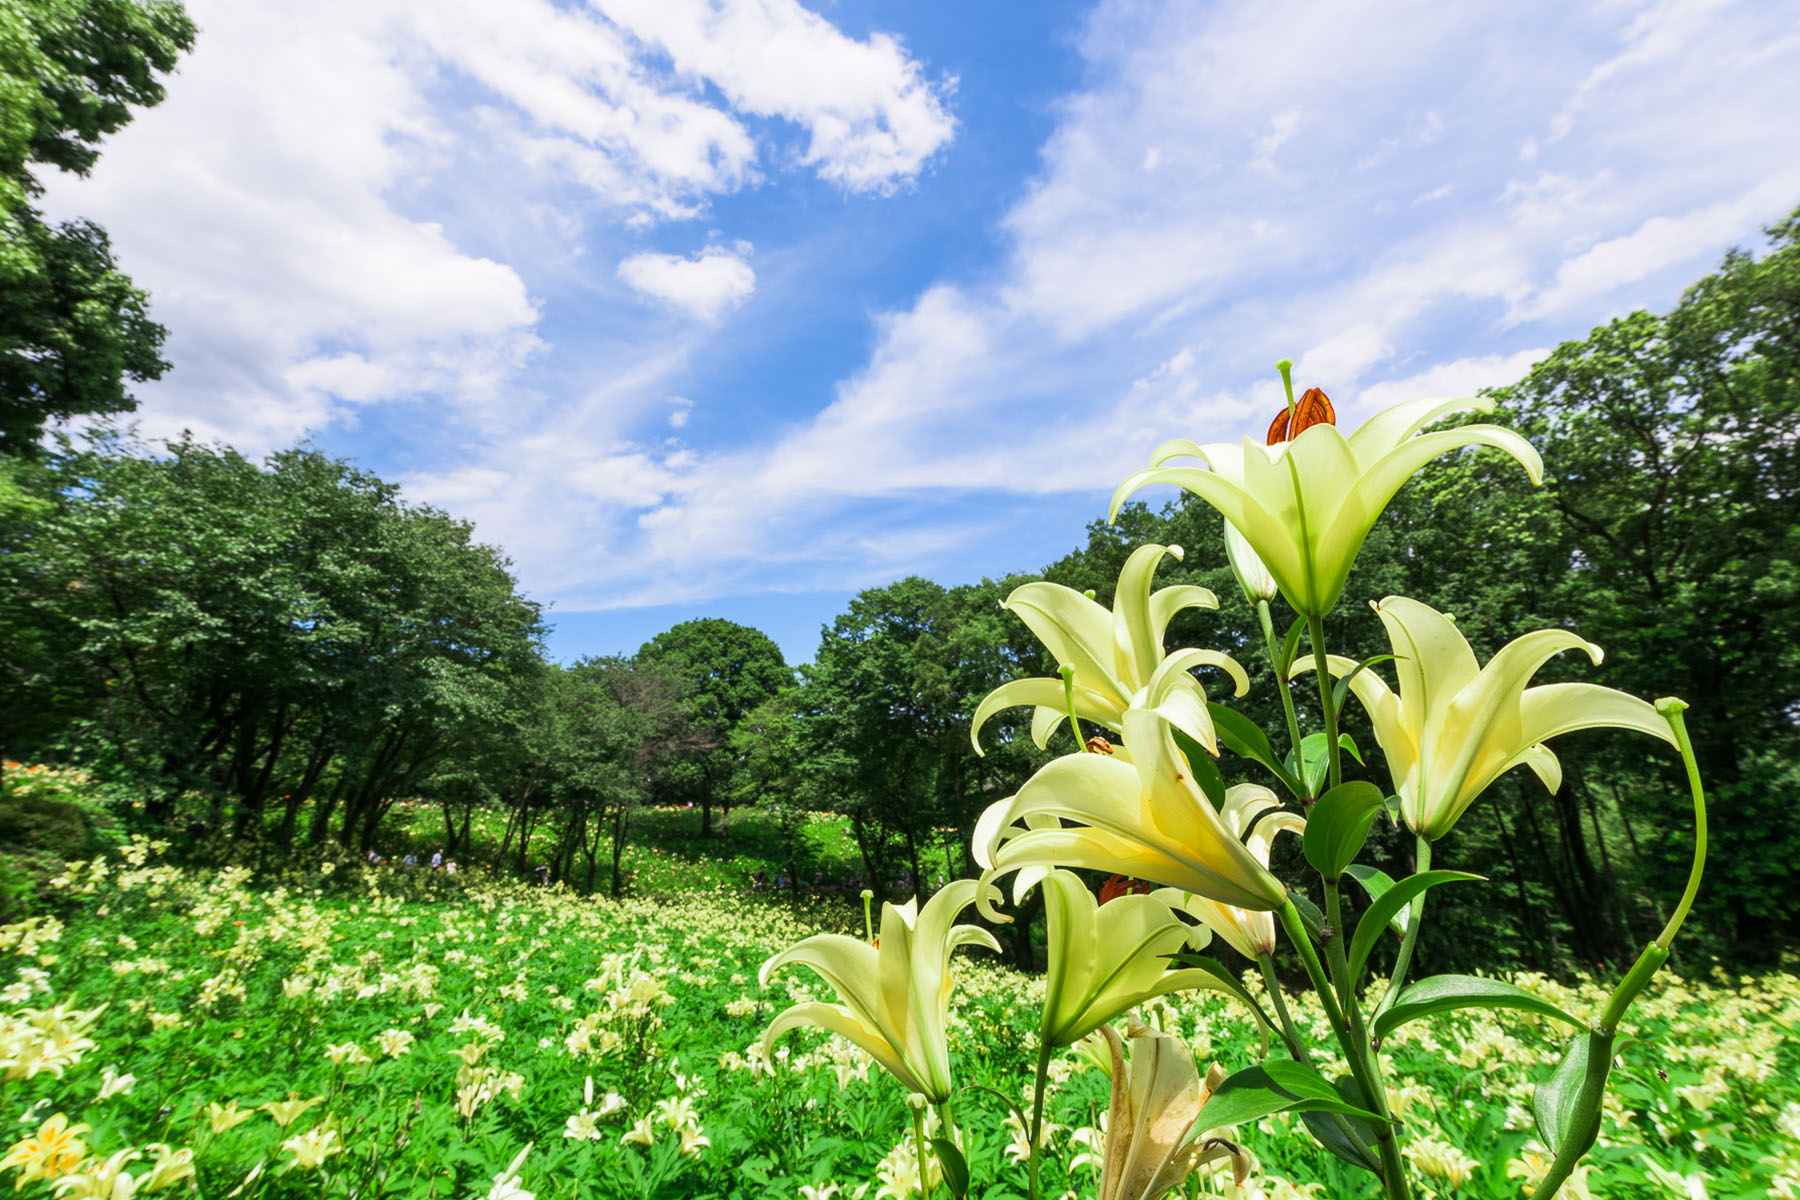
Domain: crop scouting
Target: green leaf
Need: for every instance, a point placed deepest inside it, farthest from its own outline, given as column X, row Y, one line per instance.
column 1341, row 692
column 1556, row 1103
column 1315, row 762
column 1230, row 982
column 1441, row 993
column 1290, row 645
column 1338, row 825
column 956, row 1167
column 1279, row 1085
column 1242, row 736
column 1206, row 771
column 1387, row 906
column 1375, row 881
column 1328, row 1129
column 1310, row 916
column 1348, row 745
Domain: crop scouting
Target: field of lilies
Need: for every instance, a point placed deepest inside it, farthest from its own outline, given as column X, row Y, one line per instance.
column 349, row 1031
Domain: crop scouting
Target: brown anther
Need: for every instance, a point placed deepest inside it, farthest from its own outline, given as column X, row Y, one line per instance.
column 1122, row 885
column 1099, row 745
column 1313, row 408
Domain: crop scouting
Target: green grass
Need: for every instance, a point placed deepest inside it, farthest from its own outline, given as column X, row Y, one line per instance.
column 665, row 852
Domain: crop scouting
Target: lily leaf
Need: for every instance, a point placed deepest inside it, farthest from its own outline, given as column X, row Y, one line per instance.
column 1279, row 1085
column 1387, row 906
column 1375, row 881
column 1206, row 771
column 1290, row 645
column 1441, row 993
column 1555, row 1103
column 1310, row 916
column 1228, row 981
column 1341, row 692
column 956, row 1167
column 1328, row 1129
column 1240, row 735
column 1338, row 825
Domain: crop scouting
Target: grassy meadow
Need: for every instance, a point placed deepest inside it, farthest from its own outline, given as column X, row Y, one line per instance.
column 344, row 1030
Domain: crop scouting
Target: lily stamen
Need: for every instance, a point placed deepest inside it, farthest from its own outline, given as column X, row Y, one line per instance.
column 1313, row 408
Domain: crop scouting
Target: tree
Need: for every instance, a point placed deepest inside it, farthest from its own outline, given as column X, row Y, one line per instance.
column 1669, row 528
column 292, row 630
column 729, row 669
column 615, row 723
column 73, row 329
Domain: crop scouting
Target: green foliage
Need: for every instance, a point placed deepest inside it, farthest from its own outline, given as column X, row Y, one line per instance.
column 73, row 329
column 258, row 635
column 729, row 670
column 48, row 817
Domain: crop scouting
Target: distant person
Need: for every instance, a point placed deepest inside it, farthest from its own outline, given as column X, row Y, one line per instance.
column 411, row 860
column 437, row 859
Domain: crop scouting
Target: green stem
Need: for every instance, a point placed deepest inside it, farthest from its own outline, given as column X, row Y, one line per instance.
column 1671, row 711
column 1281, row 679
column 1296, row 1044
column 948, row 1122
column 1584, row 1126
column 918, row 1119
column 1045, row 1051
column 1315, row 627
column 1289, row 1032
column 1415, row 914
column 1346, row 1030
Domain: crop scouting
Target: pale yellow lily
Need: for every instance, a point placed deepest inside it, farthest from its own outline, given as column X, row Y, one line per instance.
column 1145, row 818
column 1306, row 505
column 1157, row 1095
column 1114, row 653
column 1248, row 932
column 896, row 998
column 1106, row 958
column 1456, row 726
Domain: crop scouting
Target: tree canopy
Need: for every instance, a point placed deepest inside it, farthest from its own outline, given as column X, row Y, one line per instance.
column 73, row 328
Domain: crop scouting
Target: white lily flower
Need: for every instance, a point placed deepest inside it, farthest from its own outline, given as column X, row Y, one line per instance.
column 1305, row 505
column 1115, row 653
column 1456, row 726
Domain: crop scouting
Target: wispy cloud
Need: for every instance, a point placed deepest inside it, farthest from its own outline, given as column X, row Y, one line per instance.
column 703, row 286
column 290, row 205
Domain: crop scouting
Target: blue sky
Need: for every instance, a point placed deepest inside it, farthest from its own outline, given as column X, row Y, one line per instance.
column 734, row 307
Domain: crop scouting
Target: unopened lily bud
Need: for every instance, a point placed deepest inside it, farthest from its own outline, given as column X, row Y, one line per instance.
column 1251, row 574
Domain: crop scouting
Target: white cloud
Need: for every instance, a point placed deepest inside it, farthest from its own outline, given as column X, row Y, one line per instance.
column 1461, row 377
column 703, row 287
column 340, row 204
column 872, row 117
column 1144, row 293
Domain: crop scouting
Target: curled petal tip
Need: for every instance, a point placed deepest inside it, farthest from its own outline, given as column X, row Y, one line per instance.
column 1177, row 553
